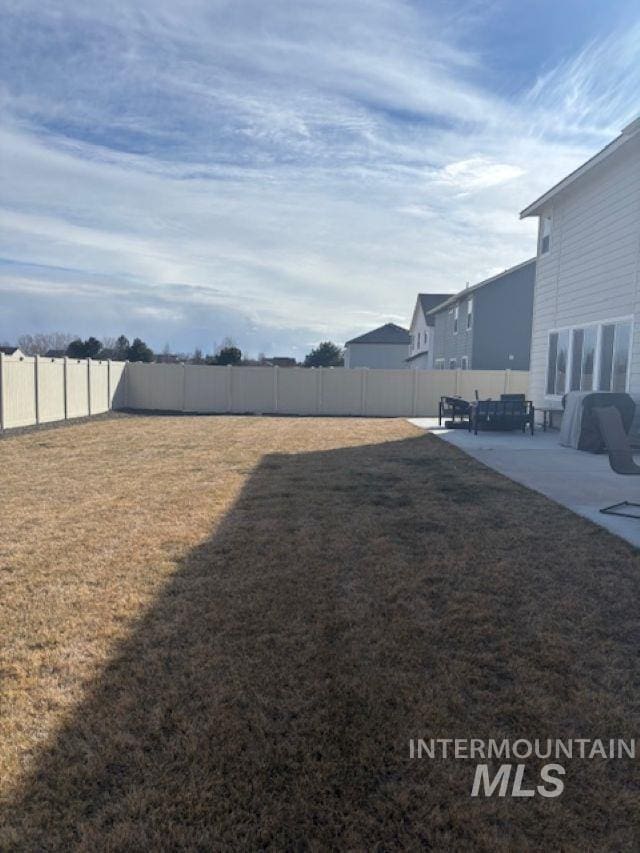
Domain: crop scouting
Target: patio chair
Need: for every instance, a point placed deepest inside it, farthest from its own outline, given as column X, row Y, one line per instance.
column 454, row 407
column 620, row 455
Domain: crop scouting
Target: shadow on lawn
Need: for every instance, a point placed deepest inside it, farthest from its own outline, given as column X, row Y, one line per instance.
column 353, row 599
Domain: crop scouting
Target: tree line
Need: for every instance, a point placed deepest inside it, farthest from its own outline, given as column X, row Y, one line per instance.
column 326, row 354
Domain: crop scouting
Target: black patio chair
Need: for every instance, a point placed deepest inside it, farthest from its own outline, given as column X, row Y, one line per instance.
column 620, row 455
column 453, row 407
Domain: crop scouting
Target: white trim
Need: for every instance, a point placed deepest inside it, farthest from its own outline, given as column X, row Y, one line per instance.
column 598, row 324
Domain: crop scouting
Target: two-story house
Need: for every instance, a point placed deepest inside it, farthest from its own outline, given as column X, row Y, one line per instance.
column 585, row 332
column 486, row 326
column 421, row 331
column 386, row 347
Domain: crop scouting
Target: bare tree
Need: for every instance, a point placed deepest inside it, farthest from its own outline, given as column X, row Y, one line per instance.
column 42, row 342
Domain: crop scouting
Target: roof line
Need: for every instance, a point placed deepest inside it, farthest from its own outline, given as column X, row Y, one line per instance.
column 626, row 134
column 474, row 287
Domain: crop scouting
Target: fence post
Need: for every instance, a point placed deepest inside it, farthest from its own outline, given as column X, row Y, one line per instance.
column 414, row 395
column 2, row 394
column 109, row 405
column 363, row 390
column 89, row 385
column 507, row 381
column 184, row 387
column 65, row 388
column 36, row 385
column 319, row 398
column 275, row 388
column 229, row 389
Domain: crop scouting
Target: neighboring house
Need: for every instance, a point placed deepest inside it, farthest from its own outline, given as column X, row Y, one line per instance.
column 487, row 326
column 280, row 361
column 14, row 352
column 421, row 331
column 586, row 334
column 387, row 346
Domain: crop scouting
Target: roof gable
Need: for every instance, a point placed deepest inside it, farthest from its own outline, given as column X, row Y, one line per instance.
column 387, row 334
column 629, row 132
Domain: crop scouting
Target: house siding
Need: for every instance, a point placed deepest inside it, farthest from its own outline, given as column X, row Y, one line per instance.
column 591, row 272
column 448, row 344
column 501, row 324
column 376, row 355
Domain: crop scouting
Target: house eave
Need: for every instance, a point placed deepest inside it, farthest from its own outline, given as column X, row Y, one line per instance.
column 536, row 208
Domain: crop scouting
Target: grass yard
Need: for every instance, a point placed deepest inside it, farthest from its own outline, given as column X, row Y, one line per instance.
column 221, row 633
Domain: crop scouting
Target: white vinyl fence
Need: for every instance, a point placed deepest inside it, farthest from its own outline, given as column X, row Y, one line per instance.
column 38, row 390
column 304, row 391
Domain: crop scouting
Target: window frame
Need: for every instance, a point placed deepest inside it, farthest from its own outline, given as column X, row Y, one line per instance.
column 439, row 363
column 469, row 313
column 454, row 362
column 456, row 319
column 598, row 326
column 464, row 362
column 542, row 236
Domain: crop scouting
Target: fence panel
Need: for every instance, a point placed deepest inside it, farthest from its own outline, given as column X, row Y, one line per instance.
column 297, row 390
column 252, row 390
column 77, row 388
column 117, row 382
column 206, row 388
column 18, row 392
column 98, row 387
column 433, row 384
column 488, row 383
column 341, row 391
column 51, row 405
column 388, row 393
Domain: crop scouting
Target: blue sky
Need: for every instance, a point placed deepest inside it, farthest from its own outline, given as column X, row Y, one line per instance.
column 286, row 172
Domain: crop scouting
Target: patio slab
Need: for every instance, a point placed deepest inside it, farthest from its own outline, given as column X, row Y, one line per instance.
column 581, row 481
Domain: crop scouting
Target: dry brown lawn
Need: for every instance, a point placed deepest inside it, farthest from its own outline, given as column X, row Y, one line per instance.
column 221, row 633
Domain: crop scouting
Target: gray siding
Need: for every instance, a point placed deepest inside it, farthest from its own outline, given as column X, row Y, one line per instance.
column 502, row 323
column 388, row 356
column 449, row 345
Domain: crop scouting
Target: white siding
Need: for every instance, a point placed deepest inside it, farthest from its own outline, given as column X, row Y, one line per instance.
column 419, row 327
column 590, row 273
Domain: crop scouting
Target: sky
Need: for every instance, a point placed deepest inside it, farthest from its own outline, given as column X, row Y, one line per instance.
column 283, row 172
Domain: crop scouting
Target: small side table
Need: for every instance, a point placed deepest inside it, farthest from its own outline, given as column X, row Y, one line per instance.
column 547, row 417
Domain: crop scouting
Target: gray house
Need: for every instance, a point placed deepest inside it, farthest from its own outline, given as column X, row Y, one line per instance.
column 384, row 347
column 487, row 326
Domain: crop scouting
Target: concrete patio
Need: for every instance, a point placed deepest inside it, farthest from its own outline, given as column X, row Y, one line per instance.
column 581, row 481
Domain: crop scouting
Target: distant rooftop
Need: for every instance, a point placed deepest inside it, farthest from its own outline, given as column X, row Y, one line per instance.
column 387, row 334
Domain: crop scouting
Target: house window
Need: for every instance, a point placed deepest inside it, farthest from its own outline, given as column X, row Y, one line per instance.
column 439, row 363
column 464, row 363
column 583, row 357
column 456, row 311
column 589, row 358
column 545, row 234
column 614, row 356
column 469, row 312
column 452, row 364
column 557, row 365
